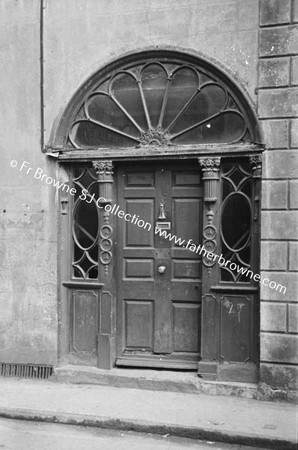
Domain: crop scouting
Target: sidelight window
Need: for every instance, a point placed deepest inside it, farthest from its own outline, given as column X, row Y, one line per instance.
column 85, row 227
column 236, row 220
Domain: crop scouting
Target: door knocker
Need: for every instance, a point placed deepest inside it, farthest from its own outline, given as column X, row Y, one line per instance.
column 162, row 214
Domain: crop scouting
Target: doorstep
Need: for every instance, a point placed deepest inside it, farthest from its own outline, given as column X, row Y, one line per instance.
column 167, row 381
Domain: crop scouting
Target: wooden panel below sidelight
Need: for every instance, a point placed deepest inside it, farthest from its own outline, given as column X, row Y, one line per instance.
column 85, row 321
column 235, row 338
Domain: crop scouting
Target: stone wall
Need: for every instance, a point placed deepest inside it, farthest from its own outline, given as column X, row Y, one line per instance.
column 278, row 111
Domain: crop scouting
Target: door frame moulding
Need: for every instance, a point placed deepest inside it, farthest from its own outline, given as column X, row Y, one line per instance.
column 152, row 152
column 207, row 370
column 69, row 157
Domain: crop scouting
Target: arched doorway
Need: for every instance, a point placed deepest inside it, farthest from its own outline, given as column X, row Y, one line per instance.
column 161, row 233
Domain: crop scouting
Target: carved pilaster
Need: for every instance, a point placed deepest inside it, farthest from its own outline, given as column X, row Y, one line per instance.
column 104, row 170
column 64, row 195
column 256, row 165
column 106, row 243
column 210, row 169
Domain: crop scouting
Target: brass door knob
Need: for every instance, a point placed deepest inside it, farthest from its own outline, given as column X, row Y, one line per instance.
column 161, row 269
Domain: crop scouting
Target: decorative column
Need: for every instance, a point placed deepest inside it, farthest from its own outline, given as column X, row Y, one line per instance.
column 259, row 306
column 104, row 170
column 210, row 168
column 207, row 367
column 256, row 164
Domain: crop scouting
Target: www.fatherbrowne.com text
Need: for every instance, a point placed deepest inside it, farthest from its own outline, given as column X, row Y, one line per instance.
column 220, row 260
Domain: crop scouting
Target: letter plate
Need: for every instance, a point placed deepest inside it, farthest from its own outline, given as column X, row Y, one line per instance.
column 163, row 225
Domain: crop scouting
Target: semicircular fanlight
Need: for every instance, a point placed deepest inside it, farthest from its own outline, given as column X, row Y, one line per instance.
column 158, row 103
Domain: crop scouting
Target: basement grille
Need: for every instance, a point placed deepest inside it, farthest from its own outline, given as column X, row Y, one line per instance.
column 25, row 370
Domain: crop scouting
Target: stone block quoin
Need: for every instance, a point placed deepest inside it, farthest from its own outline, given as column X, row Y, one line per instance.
column 278, row 114
column 275, row 12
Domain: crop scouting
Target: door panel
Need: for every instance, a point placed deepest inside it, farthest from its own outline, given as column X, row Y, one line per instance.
column 186, row 339
column 158, row 314
column 135, row 236
column 136, row 268
column 139, row 324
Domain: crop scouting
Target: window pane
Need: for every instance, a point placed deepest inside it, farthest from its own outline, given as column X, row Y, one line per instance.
column 126, row 91
column 226, row 128
column 209, row 101
column 85, row 224
column 103, row 109
column 88, row 134
column 154, row 81
column 236, row 221
column 184, row 84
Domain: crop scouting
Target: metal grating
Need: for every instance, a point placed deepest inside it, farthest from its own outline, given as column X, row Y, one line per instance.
column 25, row 370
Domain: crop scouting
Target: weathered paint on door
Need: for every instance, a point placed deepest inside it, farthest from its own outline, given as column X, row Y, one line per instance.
column 159, row 281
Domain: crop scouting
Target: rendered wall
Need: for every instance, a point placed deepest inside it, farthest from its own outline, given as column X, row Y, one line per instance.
column 28, row 228
column 79, row 40
column 278, row 111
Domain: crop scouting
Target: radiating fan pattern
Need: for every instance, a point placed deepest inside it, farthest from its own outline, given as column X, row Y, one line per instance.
column 160, row 104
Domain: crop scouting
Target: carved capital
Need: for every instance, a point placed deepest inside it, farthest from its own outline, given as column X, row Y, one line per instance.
column 103, row 167
column 210, row 168
column 256, row 164
column 209, row 164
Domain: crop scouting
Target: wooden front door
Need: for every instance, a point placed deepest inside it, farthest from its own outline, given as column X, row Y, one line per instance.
column 159, row 279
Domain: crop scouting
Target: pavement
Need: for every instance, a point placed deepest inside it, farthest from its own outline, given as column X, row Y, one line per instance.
column 216, row 418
